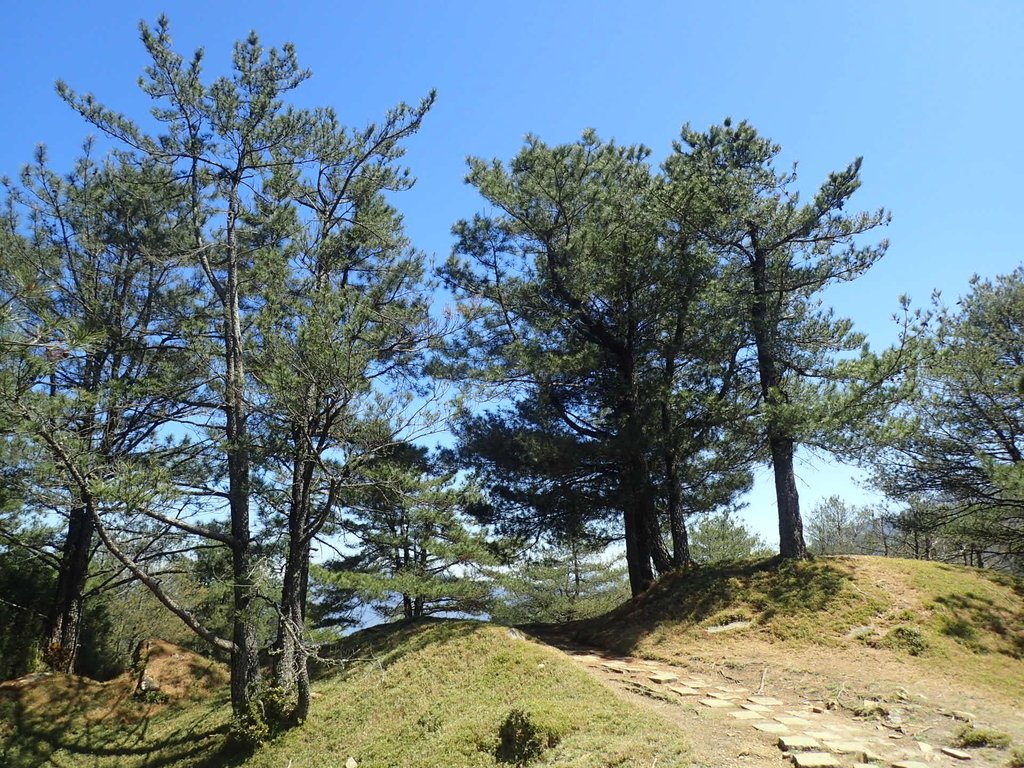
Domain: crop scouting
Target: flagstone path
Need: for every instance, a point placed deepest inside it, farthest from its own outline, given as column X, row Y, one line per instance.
column 734, row 725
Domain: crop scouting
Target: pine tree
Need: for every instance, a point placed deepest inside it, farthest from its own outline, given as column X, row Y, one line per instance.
column 955, row 453
column 591, row 300
column 417, row 551
column 93, row 364
column 281, row 205
column 779, row 254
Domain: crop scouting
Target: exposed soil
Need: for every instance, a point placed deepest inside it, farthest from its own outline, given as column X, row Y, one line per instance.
column 736, row 699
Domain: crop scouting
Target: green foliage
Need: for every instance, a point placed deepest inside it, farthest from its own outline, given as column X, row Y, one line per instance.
column 593, row 305
column 520, row 740
column 26, row 584
column 560, row 584
column 970, row 736
column 718, row 536
column 954, row 455
column 906, row 638
column 1016, row 758
column 816, row 381
column 248, row 730
column 411, row 540
column 238, row 273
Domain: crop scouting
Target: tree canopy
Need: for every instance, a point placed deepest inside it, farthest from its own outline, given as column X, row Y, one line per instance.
column 222, row 364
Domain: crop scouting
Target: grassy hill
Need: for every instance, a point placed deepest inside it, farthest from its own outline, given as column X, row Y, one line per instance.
column 455, row 693
column 427, row 694
column 916, row 617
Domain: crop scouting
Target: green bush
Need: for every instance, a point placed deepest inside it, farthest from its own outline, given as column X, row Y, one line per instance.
column 522, row 741
column 969, row 736
column 906, row 638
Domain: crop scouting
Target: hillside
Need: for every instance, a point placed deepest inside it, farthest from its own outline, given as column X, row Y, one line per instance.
column 426, row 694
column 905, row 617
column 902, row 653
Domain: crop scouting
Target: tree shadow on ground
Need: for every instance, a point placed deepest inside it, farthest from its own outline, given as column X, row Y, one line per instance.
column 964, row 614
column 385, row 644
column 758, row 591
column 63, row 720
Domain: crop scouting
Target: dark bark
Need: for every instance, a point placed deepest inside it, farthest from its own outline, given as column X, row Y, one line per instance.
column 245, row 668
column 673, row 498
column 780, row 444
column 638, row 558
column 66, row 614
column 791, row 530
column 639, row 515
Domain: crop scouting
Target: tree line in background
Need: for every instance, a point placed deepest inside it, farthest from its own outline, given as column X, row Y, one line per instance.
column 221, row 359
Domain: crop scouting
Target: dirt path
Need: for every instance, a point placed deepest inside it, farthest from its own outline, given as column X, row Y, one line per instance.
column 742, row 717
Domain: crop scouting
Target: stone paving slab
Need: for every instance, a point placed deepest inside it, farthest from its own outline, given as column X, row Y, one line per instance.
column 742, row 714
column 757, row 708
column 682, row 690
column 798, row 744
column 910, row 764
column 777, row 728
column 959, row 754
column 716, row 703
column 721, row 695
column 796, row 722
column 663, row 677
column 848, row 748
column 765, row 701
column 814, row 759
column 825, row 735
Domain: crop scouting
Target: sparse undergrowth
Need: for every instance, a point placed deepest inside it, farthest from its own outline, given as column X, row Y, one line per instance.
column 971, row 736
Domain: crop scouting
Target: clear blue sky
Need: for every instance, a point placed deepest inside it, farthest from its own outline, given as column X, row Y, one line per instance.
column 930, row 93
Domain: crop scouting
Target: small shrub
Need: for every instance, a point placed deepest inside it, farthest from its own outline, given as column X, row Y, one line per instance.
column 906, row 638
column 248, row 731
column 870, row 709
column 521, row 741
column 151, row 696
column 278, row 707
column 430, row 723
column 957, row 628
column 969, row 736
column 1016, row 758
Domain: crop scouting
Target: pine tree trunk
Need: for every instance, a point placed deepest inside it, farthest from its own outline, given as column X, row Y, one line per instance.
column 780, row 444
column 291, row 672
column 245, row 667
column 791, row 531
column 638, row 557
column 66, row 614
column 635, row 490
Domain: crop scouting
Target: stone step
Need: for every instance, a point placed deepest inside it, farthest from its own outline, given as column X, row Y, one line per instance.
column 814, row 759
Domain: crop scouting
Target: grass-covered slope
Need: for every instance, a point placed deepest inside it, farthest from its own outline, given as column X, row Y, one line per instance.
column 426, row 694
column 64, row 720
column 964, row 623
column 437, row 694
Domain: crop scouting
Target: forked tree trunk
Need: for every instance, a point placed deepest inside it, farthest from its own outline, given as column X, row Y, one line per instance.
column 780, row 443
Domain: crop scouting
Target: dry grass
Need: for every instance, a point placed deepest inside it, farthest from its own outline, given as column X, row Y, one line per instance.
column 962, row 625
